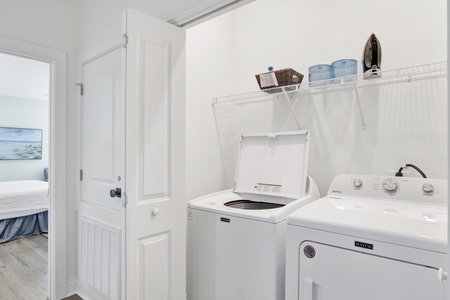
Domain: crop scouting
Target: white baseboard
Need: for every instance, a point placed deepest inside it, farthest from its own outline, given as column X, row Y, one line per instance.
column 72, row 286
column 88, row 293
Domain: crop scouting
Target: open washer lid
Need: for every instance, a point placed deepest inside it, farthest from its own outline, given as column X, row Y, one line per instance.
column 274, row 164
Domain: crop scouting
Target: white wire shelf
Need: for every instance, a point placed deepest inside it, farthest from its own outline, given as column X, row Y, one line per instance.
column 382, row 77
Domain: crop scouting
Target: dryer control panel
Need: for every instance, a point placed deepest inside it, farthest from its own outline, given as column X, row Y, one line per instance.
column 410, row 189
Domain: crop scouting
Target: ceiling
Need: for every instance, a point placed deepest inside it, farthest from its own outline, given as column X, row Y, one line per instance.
column 24, row 77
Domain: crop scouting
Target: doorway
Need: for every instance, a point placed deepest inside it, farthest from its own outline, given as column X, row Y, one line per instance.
column 24, row 158
column 56, row 61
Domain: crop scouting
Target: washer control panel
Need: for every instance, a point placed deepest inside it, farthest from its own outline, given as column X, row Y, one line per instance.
column 426, row 190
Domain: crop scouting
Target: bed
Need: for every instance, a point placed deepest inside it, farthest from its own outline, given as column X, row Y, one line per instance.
column 23, row 209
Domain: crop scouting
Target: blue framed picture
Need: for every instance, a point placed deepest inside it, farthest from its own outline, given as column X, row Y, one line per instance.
column 20, row 143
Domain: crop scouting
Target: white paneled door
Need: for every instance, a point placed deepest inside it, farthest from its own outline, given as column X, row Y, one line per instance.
column 155, row 163
column 102, row 175
column 103, row 130
column 133, row 210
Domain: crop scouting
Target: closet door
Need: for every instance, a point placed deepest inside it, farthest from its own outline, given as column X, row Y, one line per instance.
column 155, row 162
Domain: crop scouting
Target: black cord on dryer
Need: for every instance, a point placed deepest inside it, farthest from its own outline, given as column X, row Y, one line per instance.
column 400, row 174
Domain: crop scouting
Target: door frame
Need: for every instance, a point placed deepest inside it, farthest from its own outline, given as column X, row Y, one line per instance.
column 57, row 249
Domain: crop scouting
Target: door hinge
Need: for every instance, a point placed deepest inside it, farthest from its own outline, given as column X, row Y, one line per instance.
column 81, row 88
column 81, row 174
column 124, row 199
column 125, row 40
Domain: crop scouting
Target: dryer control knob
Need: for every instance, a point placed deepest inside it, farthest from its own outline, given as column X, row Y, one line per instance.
column 427, row 188
column 390, row 185
column 357, row 183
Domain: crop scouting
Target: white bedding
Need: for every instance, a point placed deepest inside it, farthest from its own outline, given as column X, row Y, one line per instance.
column 22, row 198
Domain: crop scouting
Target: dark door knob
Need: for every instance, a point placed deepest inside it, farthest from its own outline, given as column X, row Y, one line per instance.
column 116, row 193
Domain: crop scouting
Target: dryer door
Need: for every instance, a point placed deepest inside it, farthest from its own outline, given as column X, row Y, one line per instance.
column 332, row 273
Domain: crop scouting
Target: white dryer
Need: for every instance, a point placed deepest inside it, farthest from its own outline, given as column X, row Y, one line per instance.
column 371, row 238
column 236, row 238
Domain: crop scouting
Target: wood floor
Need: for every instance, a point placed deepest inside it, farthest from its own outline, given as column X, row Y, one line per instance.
column 23, row 269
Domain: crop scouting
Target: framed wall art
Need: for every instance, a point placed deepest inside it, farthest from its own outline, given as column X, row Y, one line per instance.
column 20, row 143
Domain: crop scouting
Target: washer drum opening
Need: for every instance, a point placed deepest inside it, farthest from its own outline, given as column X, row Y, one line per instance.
column 248, row 204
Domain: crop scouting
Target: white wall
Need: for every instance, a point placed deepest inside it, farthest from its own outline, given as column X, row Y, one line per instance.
column 52, row 24
column 210, row 61
column 101, row 20
column 405, row 124
column 25, row 113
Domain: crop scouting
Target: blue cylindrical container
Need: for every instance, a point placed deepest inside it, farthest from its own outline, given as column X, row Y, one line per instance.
column 344, row 67
column 318, row 73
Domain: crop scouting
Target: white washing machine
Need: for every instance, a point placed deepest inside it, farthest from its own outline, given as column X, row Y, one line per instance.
column 371, row 238
column 236, row 238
